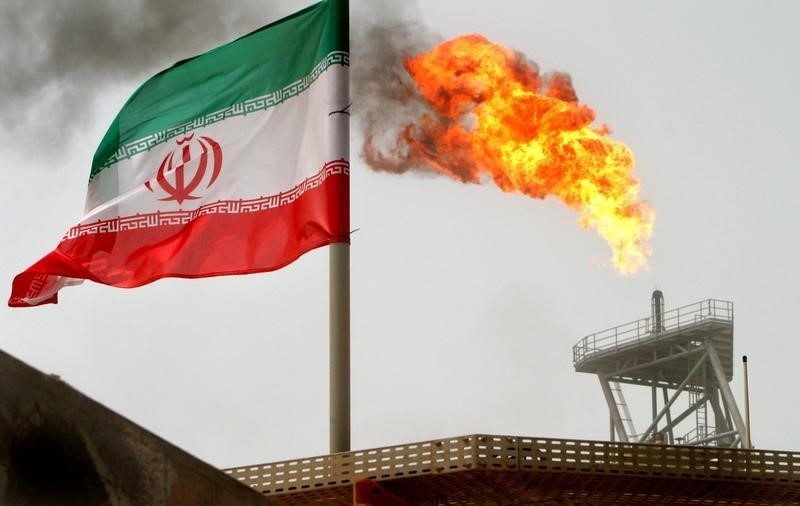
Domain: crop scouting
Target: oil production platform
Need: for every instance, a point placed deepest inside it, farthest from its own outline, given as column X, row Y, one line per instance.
column 694, row 450
column 684, row 441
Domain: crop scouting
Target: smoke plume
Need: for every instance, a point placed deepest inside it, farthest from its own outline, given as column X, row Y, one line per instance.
column 58, row 56
column 385, row 98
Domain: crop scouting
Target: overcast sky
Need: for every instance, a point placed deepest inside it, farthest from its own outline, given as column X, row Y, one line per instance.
column 466, row 301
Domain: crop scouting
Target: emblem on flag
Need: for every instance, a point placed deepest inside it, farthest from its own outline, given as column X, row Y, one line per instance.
column 180, row 175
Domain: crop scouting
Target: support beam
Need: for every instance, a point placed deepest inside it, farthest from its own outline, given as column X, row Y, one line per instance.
column 725, row 389
column 612, row 432
column 669, row 431
column 686, row 413
column 613, row 409
column 729, row 421
column 719, row 417
column 674, row 397
column 650, row 363
column 715, row 437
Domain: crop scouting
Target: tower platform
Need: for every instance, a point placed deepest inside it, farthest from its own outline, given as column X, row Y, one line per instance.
column 686, row 353
column 643, row 352
column 488, row 470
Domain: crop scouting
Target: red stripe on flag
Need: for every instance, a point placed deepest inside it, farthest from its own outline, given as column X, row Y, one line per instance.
column 209, row 245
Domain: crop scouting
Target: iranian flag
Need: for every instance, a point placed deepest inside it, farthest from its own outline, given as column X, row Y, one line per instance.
column 232, row 162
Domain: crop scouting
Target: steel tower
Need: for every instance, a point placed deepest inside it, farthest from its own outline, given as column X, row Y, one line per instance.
column 687, row 355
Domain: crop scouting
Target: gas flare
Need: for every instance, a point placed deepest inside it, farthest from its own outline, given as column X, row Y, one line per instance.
column 490, row 112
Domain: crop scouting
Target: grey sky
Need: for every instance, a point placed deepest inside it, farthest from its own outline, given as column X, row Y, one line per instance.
column 466, row 301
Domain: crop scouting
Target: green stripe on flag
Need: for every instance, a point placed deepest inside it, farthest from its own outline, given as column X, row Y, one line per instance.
column 222, row 82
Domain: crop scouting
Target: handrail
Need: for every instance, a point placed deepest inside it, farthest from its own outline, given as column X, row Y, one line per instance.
column 698, row 433
column 646, row 328
column 513, row 453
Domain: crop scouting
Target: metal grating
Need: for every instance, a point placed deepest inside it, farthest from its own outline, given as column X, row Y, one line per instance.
column 472, row 470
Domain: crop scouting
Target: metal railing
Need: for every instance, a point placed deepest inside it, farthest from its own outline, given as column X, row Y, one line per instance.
column 647, row 328
column 699, row 434
column 512, row 453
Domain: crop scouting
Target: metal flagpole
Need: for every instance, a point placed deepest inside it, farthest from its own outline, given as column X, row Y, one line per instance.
column 340, row 307
column 340, row 347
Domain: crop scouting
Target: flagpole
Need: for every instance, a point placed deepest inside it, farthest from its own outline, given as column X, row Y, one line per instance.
column 340, row 301
column 340, row 347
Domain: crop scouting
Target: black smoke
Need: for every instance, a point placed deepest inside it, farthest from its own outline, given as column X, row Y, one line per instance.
column 57, row 57
column 385, row 97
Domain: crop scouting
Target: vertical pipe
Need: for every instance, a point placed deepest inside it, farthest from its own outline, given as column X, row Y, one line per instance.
column 657, row 311
column 339, row 347
column 747, row 442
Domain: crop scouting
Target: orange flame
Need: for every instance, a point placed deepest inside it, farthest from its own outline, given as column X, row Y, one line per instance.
column 492, row 113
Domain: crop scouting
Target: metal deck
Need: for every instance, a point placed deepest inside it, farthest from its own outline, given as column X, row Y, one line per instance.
column 494, row 470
